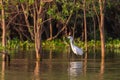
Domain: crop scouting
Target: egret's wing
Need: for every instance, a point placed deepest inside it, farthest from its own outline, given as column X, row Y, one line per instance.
column 78, row 51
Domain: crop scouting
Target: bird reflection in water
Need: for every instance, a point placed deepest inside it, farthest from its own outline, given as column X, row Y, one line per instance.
column 75, row 68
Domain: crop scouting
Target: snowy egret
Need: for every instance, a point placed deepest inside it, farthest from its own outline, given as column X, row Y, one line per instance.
column 75, row 49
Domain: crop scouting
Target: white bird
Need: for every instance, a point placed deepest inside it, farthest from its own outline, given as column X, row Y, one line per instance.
column 75, row 49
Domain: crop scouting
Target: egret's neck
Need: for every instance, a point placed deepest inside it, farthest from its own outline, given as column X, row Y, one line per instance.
column 71, row 42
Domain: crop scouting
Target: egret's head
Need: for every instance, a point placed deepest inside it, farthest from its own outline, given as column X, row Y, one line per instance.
column 70, row 37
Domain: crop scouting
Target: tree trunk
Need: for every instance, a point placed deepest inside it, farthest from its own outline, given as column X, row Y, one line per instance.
column 73, row 29
column 3, row 30
column 37, row 38
column 38, row 29
column 101, row 27
column 3, row 25
column 38, row 45
column 27, row 22
column 85, row 27
column 50, row 29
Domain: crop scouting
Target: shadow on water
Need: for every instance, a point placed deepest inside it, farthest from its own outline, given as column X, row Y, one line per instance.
column 61, row 66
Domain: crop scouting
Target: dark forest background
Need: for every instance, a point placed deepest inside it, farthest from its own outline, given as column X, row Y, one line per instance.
column 55, row 15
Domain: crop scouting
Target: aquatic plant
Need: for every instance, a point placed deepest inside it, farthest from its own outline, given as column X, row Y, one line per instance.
column 13, row 44
column 58, row 44
column 17, row 44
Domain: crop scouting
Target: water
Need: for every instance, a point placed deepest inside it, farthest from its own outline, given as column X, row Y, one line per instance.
column 61, row 66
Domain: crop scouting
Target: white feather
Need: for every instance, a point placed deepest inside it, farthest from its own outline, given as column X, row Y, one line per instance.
column 75, row 49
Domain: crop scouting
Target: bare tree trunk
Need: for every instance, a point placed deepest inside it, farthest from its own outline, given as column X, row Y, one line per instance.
column 101, row 27
column 74, row 25
column 94, row 26
column 38, row 17
column 37, row 38
column 3, row 30
column 50, row 29
column 85, row 27
column 5, row 56
column 27, row 22
column 37, row 45
column 94, row 30
column 85, row 32
column 3, row 25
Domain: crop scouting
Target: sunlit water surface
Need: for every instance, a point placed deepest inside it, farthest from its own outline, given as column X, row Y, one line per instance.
column 61, row 66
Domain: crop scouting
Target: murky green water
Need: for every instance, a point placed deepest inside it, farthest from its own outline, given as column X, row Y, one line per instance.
column 61, row 66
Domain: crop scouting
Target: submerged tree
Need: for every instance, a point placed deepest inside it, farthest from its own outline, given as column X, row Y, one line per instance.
column 3, row 28
column 99, row 13
column 85, row 26
column 3, row 24
column 36, row 10
column 101, row 27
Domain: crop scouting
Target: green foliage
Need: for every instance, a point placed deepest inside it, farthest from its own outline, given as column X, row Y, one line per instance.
column 62, row 9
column 51, row 11
column 17, row 44
column 31, row 1
column 22, row 1
column 57, row 43
column 13, row 43
column 115, row 43
column 27, row 1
